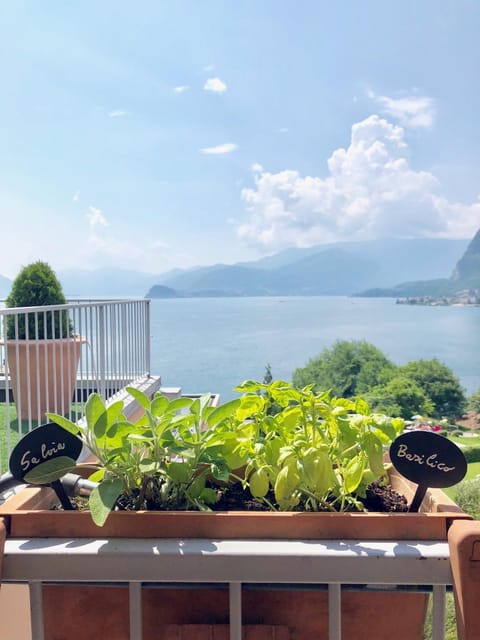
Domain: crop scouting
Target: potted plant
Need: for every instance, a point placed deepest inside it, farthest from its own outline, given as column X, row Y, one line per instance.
column 42, row 352
column 308, row 459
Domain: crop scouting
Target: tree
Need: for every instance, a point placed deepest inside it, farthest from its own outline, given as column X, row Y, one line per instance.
column 400, row 397
column 439, row 383
column 357, row 368
column 474, row 402
column 268, row 377
column 348, row 368
column 37, row 285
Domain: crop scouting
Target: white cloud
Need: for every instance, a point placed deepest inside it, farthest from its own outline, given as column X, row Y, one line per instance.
column 370, row 191
column 96, row 218
column 228, row 147
column 215, row 85
column 209, row 67
column 182, row 88
column 76, row 196
column 410, row 111
column 257, row 168
column 282, row 130
column 118, row 114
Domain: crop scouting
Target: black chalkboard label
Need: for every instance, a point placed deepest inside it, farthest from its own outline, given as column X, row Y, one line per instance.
column 45, row 443
column 429, row 460
column 44, row 455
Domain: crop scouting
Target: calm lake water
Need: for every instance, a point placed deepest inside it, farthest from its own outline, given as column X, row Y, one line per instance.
column 213, row 344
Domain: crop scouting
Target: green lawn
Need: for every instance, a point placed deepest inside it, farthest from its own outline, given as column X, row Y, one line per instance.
column 466, row 441
column 7, row 439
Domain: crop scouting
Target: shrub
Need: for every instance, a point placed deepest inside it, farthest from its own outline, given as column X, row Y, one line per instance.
column 472, row 454
column 37, row 285
column 468, row 497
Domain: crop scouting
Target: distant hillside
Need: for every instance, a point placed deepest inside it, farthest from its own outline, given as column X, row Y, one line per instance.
column 332, row 269
column 467, row 272
column 161, row 291
column 465, row 275
column 335, row 269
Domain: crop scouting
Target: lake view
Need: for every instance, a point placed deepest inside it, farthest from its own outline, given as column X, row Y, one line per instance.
column 213, row 344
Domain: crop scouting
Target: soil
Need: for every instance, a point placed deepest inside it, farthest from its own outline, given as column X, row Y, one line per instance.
column 234, row 498
column 379, row 498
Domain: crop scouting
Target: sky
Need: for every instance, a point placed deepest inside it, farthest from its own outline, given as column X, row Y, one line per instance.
column 170, row 134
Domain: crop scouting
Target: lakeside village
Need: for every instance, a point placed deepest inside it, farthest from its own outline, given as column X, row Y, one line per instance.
column 463, row 298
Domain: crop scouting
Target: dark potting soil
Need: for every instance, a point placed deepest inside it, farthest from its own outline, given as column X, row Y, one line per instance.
column 378, row 498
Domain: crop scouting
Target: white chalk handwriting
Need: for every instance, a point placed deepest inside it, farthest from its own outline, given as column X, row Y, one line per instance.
column 46, row 451
column 421, row 458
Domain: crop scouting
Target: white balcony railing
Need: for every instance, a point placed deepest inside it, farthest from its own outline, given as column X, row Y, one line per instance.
column 236, row 564
column 52, row 358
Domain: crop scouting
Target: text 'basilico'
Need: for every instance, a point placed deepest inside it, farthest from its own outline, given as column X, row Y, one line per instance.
column 430, row 461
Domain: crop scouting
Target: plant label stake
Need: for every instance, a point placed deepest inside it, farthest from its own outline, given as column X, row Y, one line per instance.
column 43, row 456
column 428, row 459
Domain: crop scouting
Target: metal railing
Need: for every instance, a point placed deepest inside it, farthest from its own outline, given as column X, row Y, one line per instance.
column 236, row 564
column 53, row 357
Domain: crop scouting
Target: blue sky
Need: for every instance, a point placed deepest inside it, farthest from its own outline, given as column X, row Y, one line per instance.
column 155, row 134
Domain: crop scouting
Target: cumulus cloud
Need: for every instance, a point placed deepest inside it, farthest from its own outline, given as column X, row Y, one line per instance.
column 410, row 111
column 228, row 147
column 370, row 191
column 96, row 218
column 118, row 114
column 215, row 85
column 182, row 88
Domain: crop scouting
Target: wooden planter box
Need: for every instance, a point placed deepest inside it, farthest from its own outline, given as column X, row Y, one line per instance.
column 80, row 613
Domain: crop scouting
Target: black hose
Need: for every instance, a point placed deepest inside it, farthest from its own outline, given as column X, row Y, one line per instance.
column 73, row 484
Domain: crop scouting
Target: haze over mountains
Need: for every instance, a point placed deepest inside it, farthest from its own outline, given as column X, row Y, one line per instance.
column 337, row 269
column 465, row 276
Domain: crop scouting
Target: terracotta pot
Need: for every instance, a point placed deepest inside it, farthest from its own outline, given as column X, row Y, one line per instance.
column 43, row 375
column 80, row 613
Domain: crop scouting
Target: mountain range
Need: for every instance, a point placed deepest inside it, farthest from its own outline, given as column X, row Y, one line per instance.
column 465, row 276
column 336, row 269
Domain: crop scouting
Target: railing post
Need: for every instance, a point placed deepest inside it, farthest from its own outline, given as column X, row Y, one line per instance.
column 101, row 350
column 235, row 607
column 147, row 338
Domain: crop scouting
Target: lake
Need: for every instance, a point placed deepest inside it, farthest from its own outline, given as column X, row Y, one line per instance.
column 213, row 344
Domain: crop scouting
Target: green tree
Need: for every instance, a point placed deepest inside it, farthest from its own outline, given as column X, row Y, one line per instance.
column 348, row 368
column 400, row 397
column 439, row 383
column 37, row 285
column 474, row 402
column 268, row 377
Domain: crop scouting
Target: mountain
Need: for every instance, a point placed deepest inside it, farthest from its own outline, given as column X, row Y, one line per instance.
column 161, row 291
column 467, row 271
column 465, row 276
column 334, row 269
